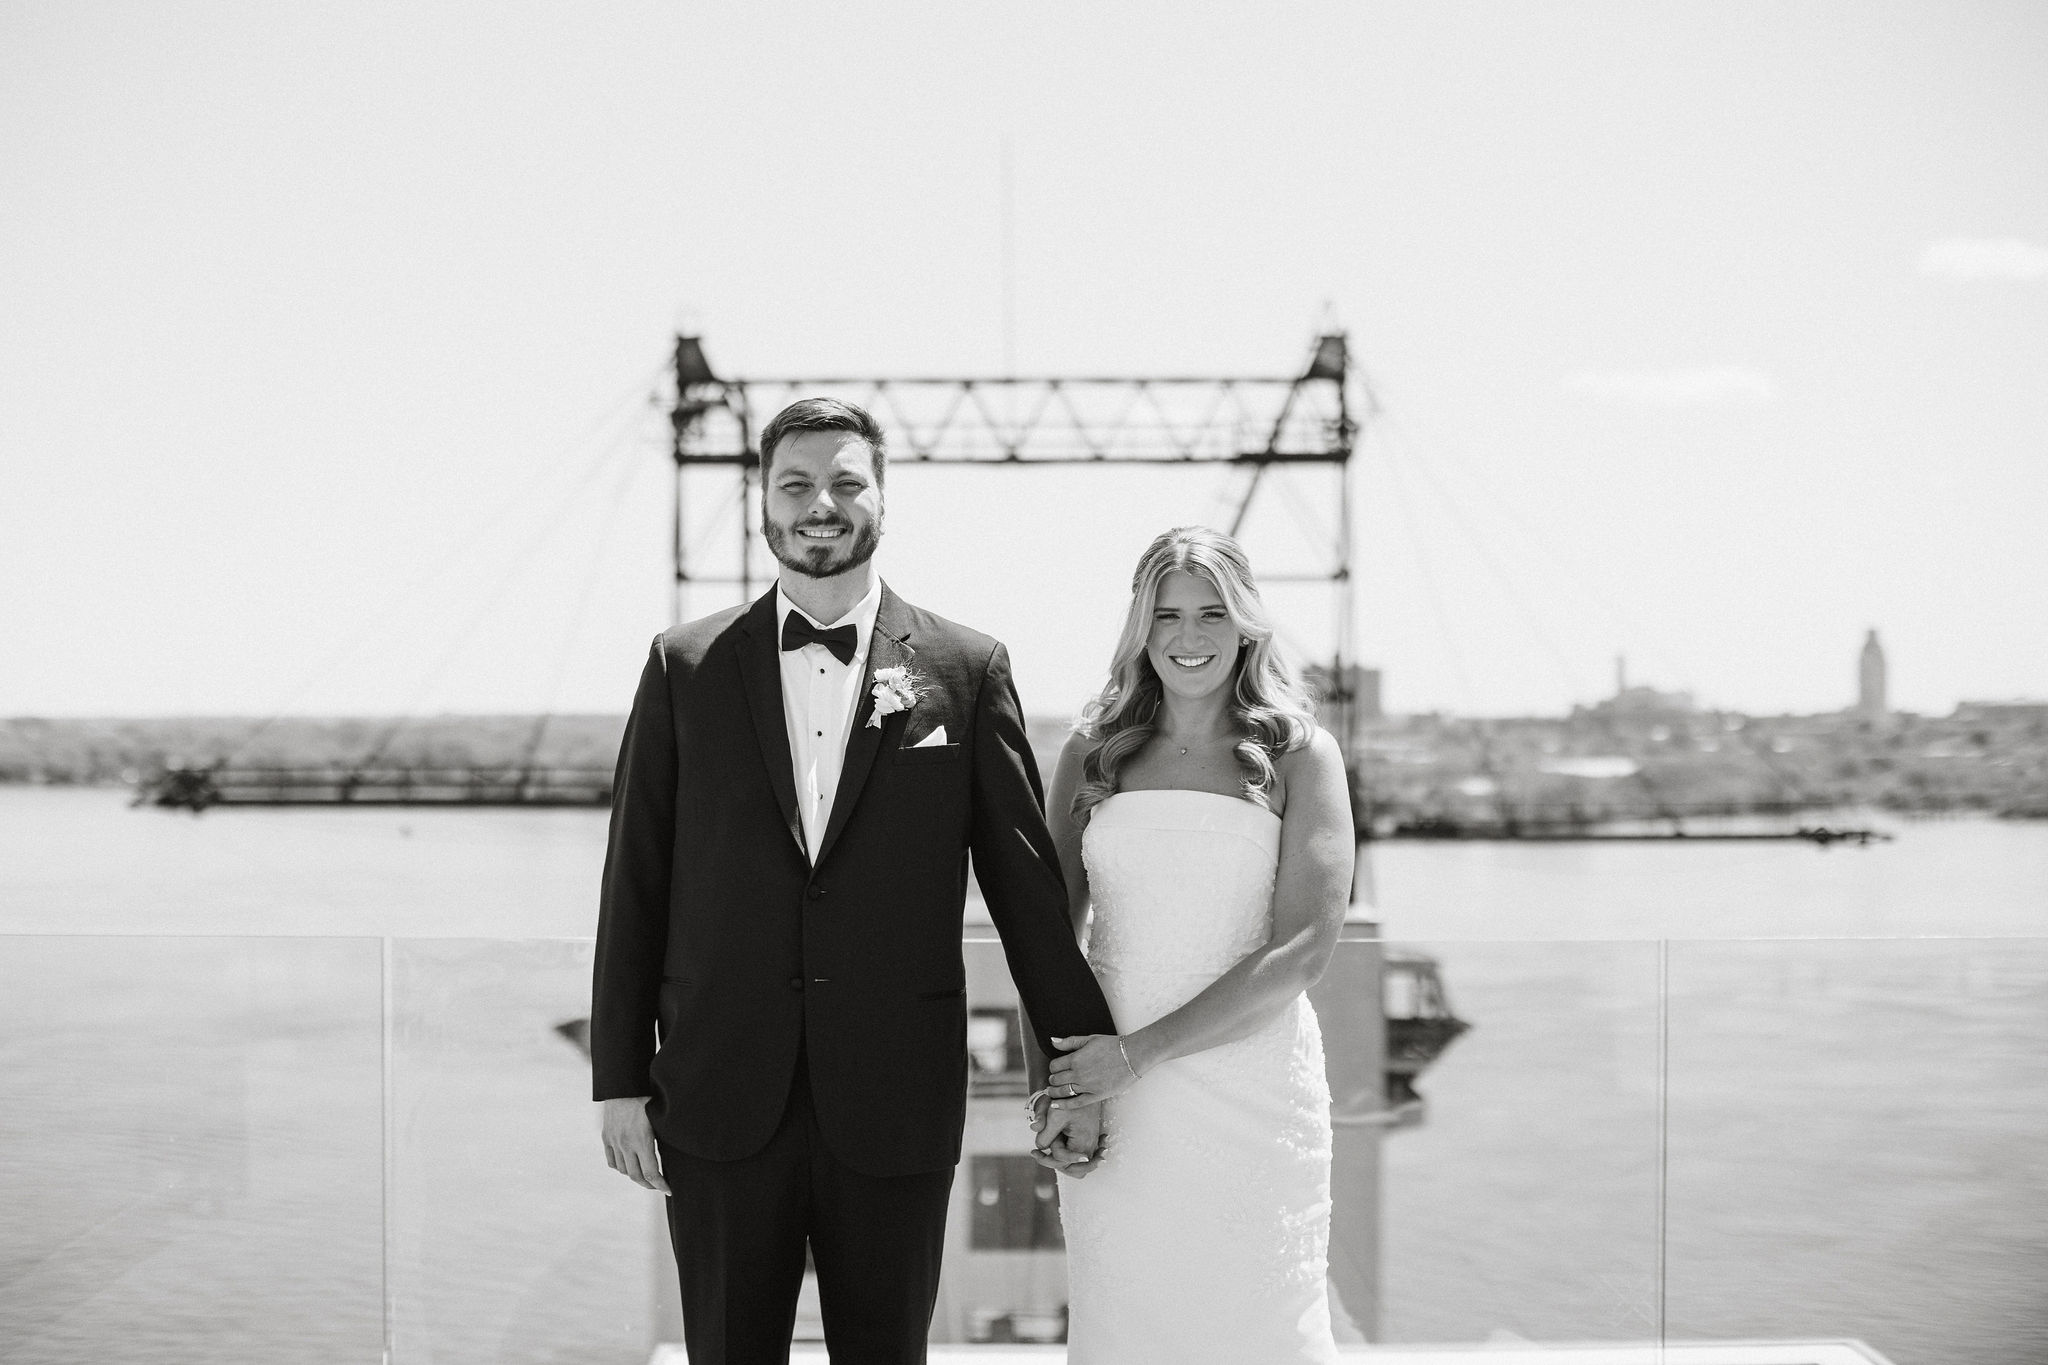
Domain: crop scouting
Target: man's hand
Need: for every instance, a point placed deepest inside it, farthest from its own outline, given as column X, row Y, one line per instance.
column 1069, row 1142
column 629, row 1143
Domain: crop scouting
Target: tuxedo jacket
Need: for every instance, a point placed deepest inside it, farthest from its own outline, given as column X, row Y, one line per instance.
column 722, row 948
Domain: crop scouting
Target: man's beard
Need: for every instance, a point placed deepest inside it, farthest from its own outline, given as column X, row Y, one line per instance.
column 821, row 561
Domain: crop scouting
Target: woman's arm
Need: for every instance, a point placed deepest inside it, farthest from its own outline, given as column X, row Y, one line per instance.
column 1310, row 893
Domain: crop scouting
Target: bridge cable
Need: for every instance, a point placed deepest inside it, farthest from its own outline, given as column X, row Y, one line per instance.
column 513, row 571
column 375, row 621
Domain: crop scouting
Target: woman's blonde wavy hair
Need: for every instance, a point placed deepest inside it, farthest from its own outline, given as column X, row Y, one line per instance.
column 1270, row 705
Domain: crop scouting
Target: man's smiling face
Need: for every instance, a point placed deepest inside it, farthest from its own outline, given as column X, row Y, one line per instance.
column 821, row 512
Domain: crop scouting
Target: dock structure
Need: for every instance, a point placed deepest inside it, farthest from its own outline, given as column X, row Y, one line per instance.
column 1828, row 1351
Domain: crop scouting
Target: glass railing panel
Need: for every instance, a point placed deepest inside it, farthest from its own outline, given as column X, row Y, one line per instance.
column 195, row 1164
column 1523, row 1203
column 511, row 1241
column 190, row 1149
column 1856, row 1144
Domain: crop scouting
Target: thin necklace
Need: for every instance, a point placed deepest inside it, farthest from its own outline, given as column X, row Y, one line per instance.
column 1184, row 748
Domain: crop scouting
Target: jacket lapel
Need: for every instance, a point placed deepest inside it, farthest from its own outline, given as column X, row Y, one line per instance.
column 888, row 648
column 760, row 655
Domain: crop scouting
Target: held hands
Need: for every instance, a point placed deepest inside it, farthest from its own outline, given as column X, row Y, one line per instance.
column 1095, row 1068
column 629, row 1143
column 1067, row 1144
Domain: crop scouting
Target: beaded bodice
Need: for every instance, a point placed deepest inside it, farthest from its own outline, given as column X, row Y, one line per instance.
column 1182, row 887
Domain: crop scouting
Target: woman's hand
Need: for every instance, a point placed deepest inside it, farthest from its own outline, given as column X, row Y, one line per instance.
column 1069, row 1143
column 1091, row 1070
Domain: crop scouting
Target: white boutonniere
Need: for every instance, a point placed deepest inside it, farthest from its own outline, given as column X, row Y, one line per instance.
column 896, row 689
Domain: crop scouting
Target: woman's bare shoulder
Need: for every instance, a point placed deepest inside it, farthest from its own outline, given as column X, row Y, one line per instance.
column 1079, row 745
column 1317, row 760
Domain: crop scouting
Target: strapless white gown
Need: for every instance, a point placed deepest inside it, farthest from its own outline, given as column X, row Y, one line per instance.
column 1204, row 1234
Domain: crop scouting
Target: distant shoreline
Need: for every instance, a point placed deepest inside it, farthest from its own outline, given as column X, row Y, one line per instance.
column 1607, row 763
column 115, row 751
column 110, row 750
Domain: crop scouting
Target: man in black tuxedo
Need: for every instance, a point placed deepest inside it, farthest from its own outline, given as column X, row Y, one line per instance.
column 779, row 1003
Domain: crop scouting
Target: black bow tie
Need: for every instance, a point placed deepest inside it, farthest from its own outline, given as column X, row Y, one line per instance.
column 797, row 631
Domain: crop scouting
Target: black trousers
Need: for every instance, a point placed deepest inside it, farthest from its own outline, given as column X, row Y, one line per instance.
column 739, row 1229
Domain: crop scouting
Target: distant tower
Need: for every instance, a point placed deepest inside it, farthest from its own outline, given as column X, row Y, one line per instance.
column 1870, row 699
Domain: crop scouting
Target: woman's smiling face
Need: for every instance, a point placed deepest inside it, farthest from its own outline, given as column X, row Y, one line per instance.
column 1193, row 645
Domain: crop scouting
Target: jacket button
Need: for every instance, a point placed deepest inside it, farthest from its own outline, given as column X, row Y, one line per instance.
column 815, row 892
column 796, row 983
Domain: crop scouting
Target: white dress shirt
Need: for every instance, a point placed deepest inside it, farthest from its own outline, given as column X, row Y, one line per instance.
column 819, row 698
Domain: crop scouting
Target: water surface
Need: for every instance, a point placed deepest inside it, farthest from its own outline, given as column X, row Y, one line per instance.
column 1814, row 1109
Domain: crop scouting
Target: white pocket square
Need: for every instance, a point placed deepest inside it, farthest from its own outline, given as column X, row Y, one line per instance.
column 937, row 736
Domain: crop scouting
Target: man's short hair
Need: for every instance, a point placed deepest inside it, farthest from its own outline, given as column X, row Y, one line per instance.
column 823, row 414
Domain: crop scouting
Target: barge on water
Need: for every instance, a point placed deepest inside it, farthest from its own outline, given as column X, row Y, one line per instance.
column 198, row 789
column 1812, row 826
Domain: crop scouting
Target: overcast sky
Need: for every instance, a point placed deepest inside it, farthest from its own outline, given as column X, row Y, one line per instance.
column 1710, row 333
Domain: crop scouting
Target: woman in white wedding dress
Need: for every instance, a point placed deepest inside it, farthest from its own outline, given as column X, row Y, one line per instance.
column 1204, row 819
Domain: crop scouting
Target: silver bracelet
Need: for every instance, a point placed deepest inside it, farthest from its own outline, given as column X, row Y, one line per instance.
column 1127, row 1059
